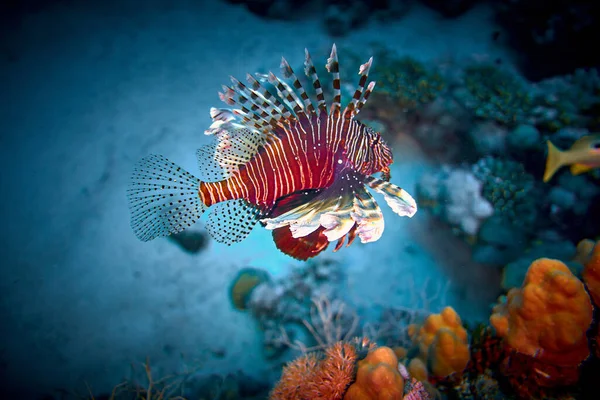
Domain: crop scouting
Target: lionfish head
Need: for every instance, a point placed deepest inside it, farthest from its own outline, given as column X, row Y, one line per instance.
column 378, row 155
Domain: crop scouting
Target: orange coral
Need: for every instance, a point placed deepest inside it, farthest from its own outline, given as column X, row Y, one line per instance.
column 377, row 377
column 548, row 316
column 591, row 272
column 310, row 377
column 443, row 343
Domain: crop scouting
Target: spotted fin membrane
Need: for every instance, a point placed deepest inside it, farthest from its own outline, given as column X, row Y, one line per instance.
column 163, row 198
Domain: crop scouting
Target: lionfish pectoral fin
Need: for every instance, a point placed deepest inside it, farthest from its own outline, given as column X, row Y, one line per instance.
column 328, row 210
column 397, row 198
column 163, row 198
column 368, row 216
column 232, row 221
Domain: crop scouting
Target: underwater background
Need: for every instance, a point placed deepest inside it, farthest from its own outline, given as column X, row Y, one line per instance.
column 491, row 291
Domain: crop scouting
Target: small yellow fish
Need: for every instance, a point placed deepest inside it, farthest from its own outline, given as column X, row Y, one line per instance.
column 583, row 156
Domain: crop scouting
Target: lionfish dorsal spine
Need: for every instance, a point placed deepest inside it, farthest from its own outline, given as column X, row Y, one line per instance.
column 256, row 115
column 365, row 97
column 288, row 72
column 352, row 108
column 287, row 94
column 333, row 66
column 271, row 104
column 311, row 72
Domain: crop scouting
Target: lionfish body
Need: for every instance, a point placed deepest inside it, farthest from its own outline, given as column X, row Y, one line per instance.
column 299, row 168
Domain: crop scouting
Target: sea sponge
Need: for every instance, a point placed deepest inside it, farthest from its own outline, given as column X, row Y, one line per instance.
column 377, row 377
column 547, row 317
column 591, row 272
column 443, row 343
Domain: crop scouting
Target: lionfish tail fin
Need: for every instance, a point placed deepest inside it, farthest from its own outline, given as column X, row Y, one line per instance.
column 333, row 66
column 397, row 198
column 163, row 198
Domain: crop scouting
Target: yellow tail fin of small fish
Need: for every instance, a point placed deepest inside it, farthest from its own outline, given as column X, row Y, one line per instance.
column 553, row 162
column 577, row 169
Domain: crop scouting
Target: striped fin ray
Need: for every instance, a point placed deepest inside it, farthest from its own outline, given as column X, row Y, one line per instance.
column 252, row 109
column 397, row 198
column 220, row 160
column 311, row 72
column 351, row 109
column 368, row 217
column 223, row 118
column 288, row 72
column 163, row 198
column 232, row 221
column 365, row 97
column 271, row 103
column 286, row 93
column 333, row 66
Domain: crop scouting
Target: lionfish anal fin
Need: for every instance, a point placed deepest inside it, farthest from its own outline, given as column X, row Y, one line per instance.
column 232, row 221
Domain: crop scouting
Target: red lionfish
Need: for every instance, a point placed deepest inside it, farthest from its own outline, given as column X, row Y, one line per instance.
column 300, row 171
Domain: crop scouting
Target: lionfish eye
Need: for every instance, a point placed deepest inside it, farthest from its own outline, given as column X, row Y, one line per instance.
column 376, row 140
column 596, row 145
